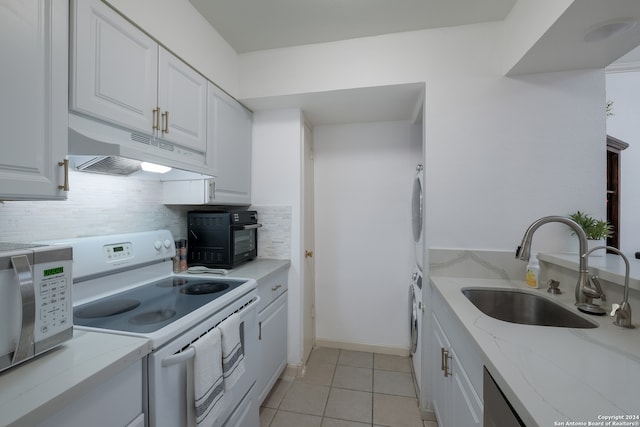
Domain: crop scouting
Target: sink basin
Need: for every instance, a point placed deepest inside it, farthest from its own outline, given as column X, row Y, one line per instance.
column 526, row 308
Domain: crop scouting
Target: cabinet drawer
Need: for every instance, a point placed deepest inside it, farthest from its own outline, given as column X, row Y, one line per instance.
column 271, row 287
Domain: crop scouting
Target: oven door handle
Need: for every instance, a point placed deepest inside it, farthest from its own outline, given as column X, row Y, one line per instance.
column 247, row 226
column 178, row 358
column 190, row 352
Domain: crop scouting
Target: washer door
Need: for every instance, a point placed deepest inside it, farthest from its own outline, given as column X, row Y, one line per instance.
column 417, row 206
column 413, row 319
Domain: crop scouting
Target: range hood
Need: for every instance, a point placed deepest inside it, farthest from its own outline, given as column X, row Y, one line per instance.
column 101, row 147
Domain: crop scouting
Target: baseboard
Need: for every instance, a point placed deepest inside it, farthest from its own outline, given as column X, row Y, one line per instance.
column 394, row 351
column 429, row 415
column 292, row 371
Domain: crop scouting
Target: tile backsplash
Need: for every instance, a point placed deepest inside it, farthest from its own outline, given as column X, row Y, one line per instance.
column 101, row 204
column 96, row 204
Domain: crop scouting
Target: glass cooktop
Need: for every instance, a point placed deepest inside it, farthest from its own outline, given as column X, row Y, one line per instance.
column 150, row 307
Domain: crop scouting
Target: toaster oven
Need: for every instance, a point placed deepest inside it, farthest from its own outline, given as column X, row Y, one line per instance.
column 221, row 239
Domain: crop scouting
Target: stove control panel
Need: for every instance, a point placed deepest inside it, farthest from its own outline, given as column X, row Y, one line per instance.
column 106, row 254
column 118, row 251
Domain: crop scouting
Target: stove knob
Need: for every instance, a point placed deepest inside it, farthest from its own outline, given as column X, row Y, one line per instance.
column 167, row 243
column 158, row 245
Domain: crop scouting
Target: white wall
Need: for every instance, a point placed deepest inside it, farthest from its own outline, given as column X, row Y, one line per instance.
column 624, row 90
column 180, row 27
column 276, row 180
column 364, row 246
column 500, row 152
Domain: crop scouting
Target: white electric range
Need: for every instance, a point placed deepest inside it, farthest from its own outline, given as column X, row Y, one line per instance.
column 124, row 284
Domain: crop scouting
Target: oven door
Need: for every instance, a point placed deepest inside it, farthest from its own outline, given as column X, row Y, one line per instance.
column 170, row 393
column 244, row 242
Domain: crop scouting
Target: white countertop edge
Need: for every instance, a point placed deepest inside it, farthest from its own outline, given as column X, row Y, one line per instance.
column 552, row 374
column 39, row 388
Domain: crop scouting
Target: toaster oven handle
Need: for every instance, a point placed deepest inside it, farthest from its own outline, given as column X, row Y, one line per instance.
column 24, row 348
column 248, row 226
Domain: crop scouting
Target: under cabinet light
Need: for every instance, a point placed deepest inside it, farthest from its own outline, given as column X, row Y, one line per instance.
column 152, row 167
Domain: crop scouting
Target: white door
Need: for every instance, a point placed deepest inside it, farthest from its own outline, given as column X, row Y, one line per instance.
column 33, row 100
column 114, row 67
column 182, row 98
column 309, row 325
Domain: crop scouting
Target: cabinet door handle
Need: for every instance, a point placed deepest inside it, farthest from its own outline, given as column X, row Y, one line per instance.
column 442, row 358
column 260, row 330
column 276, row 287
column 165, row 122
column 156, row 119
column 447, row 368
column 65, row 185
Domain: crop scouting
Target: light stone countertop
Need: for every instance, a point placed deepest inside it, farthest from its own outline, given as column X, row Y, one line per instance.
column 553, row 375
column 259, row 268
column 40, row 387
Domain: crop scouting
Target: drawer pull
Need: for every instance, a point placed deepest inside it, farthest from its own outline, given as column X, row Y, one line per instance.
column 276, row 287
column 260, row 330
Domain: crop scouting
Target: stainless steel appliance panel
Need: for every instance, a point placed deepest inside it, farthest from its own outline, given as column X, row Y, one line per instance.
column 35, row 301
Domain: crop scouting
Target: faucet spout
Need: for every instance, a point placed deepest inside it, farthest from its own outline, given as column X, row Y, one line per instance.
column 623, row 310
column 583, row 300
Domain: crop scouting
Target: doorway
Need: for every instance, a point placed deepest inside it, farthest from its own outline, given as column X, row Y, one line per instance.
column 614, row 150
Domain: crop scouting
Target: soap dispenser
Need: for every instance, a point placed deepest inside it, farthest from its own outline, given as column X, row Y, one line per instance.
column 533, row 272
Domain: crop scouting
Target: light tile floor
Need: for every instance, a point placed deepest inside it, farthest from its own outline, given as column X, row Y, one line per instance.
column 343, row 388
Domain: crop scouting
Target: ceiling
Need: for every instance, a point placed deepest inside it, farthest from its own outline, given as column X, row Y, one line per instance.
column 250, row 25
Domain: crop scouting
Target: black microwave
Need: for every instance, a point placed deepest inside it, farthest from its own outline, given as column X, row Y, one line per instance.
column 221, row 239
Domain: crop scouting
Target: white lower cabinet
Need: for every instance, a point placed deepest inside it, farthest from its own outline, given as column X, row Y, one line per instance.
column 272, row 320
column 117, row 402
column 456, row 400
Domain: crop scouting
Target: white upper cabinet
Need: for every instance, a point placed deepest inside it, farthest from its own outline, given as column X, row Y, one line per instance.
column 33, row 104
column 229, row 127
column 229, row 154
column 182, row 97
column 114, row 67
column 122, row 76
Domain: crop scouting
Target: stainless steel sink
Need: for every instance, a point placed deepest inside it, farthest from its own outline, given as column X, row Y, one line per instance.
column 516, row 306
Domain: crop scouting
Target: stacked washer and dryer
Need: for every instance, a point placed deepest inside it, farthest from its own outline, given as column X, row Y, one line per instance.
column 415, row 288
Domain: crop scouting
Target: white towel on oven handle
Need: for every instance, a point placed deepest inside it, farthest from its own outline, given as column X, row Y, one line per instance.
column 232, row 350
column 208, row 381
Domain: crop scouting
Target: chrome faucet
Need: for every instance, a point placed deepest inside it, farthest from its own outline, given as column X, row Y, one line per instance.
column 623, row 310
column 584, row 292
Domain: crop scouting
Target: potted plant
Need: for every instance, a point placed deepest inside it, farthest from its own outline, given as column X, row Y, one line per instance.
column 597, row 230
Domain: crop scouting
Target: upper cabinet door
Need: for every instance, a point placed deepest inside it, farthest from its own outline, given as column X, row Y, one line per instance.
column 182, row 97
column 33, row 101
column 114, row 67
column 229, row 151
